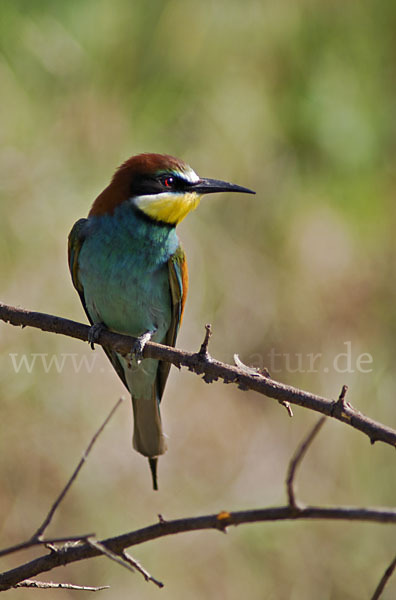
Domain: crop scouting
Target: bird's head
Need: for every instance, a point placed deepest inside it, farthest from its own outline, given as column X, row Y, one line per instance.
column 164, row 188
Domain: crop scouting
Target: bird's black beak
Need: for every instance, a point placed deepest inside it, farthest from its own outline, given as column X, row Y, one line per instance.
column 211, row 186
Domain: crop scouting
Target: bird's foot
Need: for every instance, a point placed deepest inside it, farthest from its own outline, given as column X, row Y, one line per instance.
column 94, row 332
column 136, row 353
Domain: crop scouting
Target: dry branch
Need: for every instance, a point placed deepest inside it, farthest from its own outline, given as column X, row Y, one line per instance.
column 114, row 548
column 218, row 522
column 203, row 364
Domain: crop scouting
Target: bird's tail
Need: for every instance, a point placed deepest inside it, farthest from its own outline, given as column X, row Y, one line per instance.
column 148, row 437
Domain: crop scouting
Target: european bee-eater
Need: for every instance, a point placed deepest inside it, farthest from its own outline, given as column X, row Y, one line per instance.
column 130, row 271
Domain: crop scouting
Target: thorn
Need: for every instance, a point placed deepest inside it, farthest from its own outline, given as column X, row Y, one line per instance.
column 341, row 397
column 161, row 519
column 250, row 370
column 203, row 352
column 287, row 407
column 341, row 407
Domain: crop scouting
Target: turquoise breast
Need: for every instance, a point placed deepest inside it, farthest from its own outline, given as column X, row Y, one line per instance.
column 124, row 272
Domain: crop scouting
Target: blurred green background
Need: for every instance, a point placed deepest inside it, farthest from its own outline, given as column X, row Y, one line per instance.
column 295, row 100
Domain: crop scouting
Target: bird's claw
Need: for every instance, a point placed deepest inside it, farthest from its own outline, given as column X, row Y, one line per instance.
column 136, row 354
column 94, row 332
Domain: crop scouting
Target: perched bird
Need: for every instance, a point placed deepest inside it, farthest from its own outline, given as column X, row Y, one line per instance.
column 130, row 271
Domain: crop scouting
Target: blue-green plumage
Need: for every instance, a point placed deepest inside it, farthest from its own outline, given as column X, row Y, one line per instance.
column 130, row 271
column 123, row 269
column 123, row 264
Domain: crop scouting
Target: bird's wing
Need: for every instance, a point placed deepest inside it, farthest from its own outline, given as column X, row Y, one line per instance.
column 178, row 281
column 76, row 240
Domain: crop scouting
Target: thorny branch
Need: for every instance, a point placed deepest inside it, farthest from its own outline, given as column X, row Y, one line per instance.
column 212, row 370
column 114, row 547
column 202, row 363
column 219, row 521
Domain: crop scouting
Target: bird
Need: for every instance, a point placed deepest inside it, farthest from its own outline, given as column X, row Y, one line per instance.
column 130, row 271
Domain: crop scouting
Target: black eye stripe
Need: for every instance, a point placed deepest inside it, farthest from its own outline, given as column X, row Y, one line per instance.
column 157, row 184
column 173, row 182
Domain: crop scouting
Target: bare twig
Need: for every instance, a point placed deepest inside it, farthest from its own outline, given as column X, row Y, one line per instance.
column 123, row 559
column 112, row 555
column 296, row 460
column 114, row 548
column 68, row 485
column 384, row 580
column 37, row 537
column 50, row 585
column 117, row 544
column 212, row 370
column 136, row 564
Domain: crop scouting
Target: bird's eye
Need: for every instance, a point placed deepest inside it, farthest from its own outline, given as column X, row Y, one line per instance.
column 168, row 181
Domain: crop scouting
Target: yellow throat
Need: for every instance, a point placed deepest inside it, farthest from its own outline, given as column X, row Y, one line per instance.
column 168, row 207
